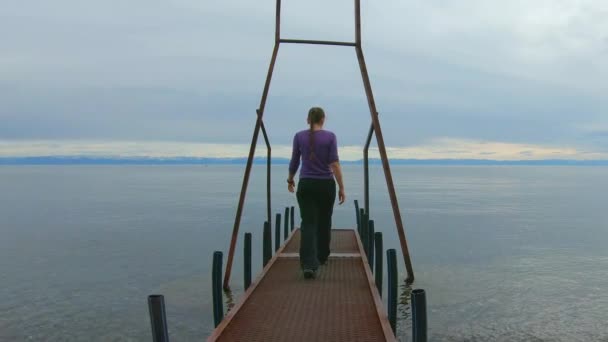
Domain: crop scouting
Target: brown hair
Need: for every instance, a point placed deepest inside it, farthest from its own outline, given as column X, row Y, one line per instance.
column 315, row 116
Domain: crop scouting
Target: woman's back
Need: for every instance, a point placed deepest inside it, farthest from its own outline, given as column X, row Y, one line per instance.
column 316, row 160
column 317, row 149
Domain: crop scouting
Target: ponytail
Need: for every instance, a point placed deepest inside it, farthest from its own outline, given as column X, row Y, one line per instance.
column 315, row 116
column 311, row 138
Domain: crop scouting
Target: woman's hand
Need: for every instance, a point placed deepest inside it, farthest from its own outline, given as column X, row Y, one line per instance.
column 337, row 170
column 291, row 185
column 341, row 196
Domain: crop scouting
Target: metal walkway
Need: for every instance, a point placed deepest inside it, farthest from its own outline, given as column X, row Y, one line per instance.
column 341, row 304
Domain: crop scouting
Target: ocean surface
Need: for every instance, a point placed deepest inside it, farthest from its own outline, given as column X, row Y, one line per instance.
column 504, row 253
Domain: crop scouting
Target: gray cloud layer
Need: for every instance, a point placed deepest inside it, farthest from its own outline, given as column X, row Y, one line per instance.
column 516, row 71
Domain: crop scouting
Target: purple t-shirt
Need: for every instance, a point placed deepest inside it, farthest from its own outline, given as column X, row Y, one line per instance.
column 325, row 153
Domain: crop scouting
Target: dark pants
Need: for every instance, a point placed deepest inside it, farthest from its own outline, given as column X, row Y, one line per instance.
column 316, row 199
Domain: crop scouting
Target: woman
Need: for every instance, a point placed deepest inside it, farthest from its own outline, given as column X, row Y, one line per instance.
column 316, row 193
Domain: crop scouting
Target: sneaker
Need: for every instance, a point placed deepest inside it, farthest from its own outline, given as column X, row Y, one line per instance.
column 309, row 274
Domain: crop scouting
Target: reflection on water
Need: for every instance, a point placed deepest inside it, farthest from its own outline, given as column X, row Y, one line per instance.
column 403, row 307
column 229, row 300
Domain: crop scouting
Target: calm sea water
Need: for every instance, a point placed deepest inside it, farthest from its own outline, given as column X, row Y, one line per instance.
column 505, row 253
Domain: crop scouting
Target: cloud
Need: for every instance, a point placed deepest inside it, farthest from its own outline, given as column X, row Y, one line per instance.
column 440, row 148
column 520, row 72
column 451, row 148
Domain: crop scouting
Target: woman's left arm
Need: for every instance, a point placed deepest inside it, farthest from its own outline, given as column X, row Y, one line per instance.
column 294, row 164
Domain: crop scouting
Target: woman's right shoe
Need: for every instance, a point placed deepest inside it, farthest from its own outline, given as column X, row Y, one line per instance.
column 309, row 274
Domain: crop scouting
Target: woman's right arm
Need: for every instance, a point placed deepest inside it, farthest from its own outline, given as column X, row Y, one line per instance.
column 337, row 170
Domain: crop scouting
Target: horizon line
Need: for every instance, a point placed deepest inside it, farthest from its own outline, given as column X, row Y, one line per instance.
column 435, row 148
column 144, row 160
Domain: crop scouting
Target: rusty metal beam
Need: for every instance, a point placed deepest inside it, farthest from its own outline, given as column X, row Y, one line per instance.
column 268, row 164
column 254, row 139
column 277, row 23
column 316, row 42
column 370, row 134
column 381, row 147
column 358, row 22
column 239, row 210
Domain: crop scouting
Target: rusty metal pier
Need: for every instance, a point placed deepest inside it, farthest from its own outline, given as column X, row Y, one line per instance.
column 374, row 129
column 342, row 304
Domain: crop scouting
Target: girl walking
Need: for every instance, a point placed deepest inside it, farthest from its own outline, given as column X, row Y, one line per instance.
column 317, row 149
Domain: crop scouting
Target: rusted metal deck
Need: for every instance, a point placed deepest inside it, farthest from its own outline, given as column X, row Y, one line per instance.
column 341, row 304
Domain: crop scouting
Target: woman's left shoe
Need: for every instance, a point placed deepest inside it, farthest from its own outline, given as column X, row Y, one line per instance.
column 309, row 274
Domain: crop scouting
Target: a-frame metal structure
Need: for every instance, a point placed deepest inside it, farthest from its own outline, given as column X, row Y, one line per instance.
column 374, row 128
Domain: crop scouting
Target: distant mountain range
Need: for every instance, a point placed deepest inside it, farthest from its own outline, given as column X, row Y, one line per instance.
column 83, row 160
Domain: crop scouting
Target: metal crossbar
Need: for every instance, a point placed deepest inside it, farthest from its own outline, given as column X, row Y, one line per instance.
column 316, row 42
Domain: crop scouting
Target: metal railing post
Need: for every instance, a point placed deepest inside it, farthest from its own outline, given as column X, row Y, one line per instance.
column 361, row 213
column 370, row 243
column 266, row 244
column 158, row 318
column 247, row 261
column 292, row 218
column 365, row 233
column 391, row 268
column 218, row 299
column 286, row 228
column 277, row 233
column 379, row 259
column 357, row 213
column 419, row 327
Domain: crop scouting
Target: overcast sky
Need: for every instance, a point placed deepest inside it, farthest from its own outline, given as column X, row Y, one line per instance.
column 451, row 78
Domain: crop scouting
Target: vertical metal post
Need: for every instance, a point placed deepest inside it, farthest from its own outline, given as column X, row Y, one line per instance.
column 292, row 218
column 366, row 167
column 419, row 327
column 365, row 233
column 391, row 268
column 361, row 213
column 247, row 261
column 266, row 244
column 286, row 228
column 381, row 147
column 357, row 21
column 277, row 233
column 379, row 256
column 268, row 170
column 370, row 244
column 357, row 213
column 218, row 299
column 158, row 318
column 277, row 24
